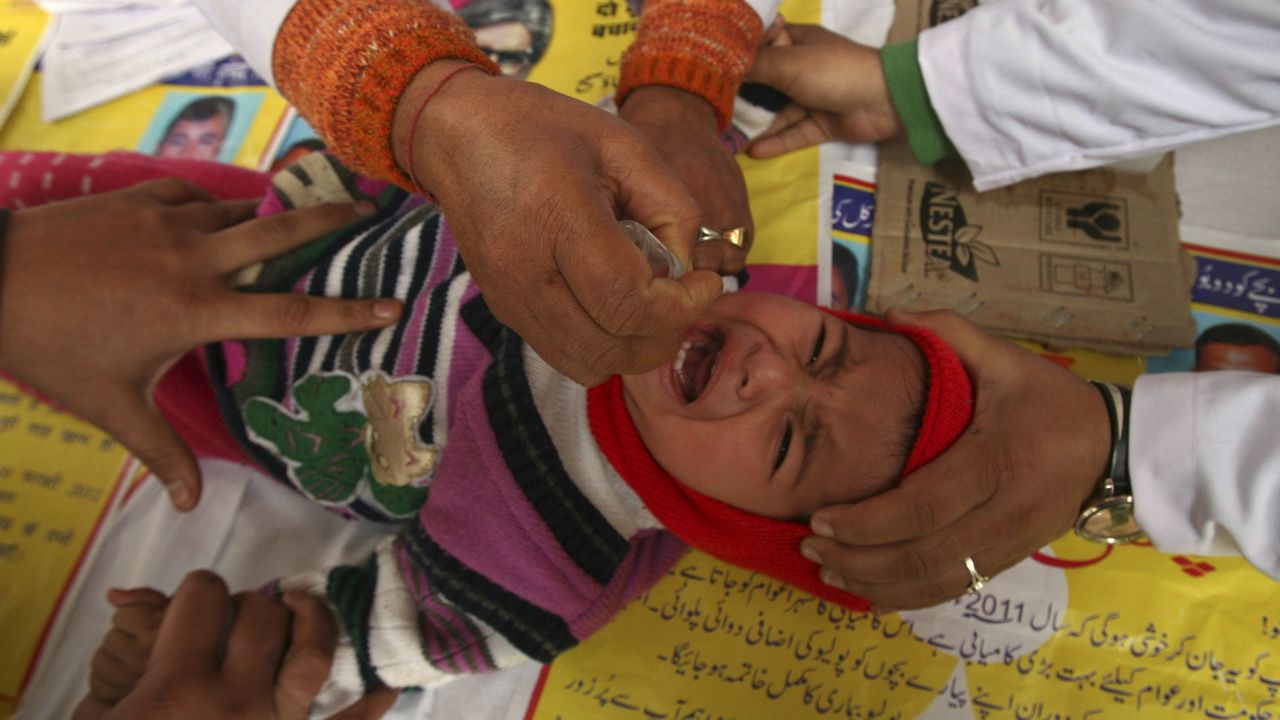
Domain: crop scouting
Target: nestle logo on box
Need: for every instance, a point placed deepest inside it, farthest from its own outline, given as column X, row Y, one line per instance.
column 950, row 242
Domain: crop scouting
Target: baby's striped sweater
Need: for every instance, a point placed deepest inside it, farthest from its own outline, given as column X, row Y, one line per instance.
column 517, row 539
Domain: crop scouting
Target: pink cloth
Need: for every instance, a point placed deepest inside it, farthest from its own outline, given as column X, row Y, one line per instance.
column 28, row 179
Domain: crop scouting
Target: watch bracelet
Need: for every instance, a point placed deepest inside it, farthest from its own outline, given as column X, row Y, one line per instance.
column 1118, row 400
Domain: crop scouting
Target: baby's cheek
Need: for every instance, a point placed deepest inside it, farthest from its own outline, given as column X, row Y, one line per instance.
column 697, row 461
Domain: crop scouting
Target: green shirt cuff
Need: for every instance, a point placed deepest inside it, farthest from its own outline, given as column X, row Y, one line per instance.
column 910, row 97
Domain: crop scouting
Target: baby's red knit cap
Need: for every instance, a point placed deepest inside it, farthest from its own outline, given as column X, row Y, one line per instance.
column 755, row 542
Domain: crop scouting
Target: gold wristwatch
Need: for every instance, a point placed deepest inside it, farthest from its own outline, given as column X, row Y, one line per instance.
column 1107, row 516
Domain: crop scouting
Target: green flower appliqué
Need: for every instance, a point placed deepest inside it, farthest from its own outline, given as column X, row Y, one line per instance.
column 323, row 440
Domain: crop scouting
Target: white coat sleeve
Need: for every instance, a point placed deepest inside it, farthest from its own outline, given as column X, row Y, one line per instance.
column 250, row 26
column 766, row 9
column 1205, row 462
column 1029, row 87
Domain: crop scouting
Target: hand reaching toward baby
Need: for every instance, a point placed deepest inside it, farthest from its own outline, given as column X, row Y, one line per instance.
column 837, row 88
column 99, row 296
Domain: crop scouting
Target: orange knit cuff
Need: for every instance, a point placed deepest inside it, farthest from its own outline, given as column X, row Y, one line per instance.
column 345, row 63
column 702, row 46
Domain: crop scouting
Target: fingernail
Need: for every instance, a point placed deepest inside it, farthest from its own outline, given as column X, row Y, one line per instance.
column 365, row 207
column 810, row 554
column 385, row 309
column 180, row 495
column 833, row 579
column 821, row 528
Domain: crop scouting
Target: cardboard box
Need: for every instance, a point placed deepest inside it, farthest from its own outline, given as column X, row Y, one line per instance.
column 1087, row 259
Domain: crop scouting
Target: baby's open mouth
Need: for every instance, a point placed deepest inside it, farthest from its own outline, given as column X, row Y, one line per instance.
column 696, row 362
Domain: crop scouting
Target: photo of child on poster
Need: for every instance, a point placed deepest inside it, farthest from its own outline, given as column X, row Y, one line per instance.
column 196, row 126
column 845, row 280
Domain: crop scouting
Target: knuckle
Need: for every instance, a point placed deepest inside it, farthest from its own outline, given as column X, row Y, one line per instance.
column 116, row 640
column 205, row 580
column 260, row 646
column 104, row 691
column 185, row 303
column 235, row 706
column 925, row 514
column 153, row 219
column 173, row 183
column 308, row 666
column 916, row 565
column 270, row 609
column 622, row 310
column 125, row 618
column 283, row 226
column 944, row 319
column 735, row 260
column 1006, row 467
column 102, row 663
column 297, row 313
column 145, row 641
column 165, row 185
column 152, row 617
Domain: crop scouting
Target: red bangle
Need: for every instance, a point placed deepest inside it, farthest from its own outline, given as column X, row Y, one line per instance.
column 417, row 115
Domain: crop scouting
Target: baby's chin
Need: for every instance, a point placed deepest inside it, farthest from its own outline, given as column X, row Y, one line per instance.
column 644, row 388
column 644, row 396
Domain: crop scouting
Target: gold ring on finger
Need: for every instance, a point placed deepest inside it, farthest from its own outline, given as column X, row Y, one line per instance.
column 976, row 579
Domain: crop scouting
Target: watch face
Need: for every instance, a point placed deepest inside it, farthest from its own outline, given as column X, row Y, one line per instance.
column 1110, row 521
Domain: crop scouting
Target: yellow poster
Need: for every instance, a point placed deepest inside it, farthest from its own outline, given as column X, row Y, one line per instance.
column 1083, row 631
column 23, row 30
column 249, row 121
column 59, row 476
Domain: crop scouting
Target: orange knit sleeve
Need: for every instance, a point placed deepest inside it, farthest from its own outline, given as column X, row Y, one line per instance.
column 345, row 63
column 702, row 46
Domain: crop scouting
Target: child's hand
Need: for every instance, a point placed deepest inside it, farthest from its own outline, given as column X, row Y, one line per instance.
column 121, row 659
column 215, row 656
column 837, row 88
